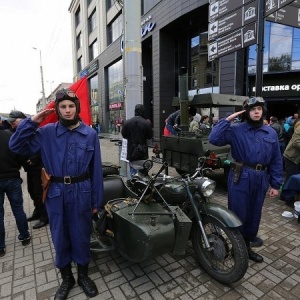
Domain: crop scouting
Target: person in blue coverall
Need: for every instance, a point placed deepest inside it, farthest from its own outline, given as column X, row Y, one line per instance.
column 70, row 152
column 257, row 167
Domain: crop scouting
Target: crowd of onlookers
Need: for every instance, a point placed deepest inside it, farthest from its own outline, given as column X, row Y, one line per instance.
column 288, row 133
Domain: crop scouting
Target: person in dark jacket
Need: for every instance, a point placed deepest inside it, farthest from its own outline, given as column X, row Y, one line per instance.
column 173, row 121
column 4, row 125
column 71, row 155
column 11, row 185
column 257, row 166
column 32, row 166
column 137, row 130
column 292, row 160
column 280, row 132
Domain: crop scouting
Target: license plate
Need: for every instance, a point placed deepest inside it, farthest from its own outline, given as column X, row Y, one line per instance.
column 157, row 160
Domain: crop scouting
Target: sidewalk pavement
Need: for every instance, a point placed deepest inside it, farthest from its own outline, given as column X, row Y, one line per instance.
column 29, row 272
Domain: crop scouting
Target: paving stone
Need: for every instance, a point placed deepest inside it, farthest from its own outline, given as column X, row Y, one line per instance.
column 6, row 289
column 29, row 272
column 144, row 287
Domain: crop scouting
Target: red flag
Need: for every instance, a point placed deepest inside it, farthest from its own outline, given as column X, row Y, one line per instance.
column 80, row 88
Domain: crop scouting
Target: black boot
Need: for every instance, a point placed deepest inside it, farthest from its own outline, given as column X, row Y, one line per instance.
column 67, row 283
column 87, row 284
column 253, row 255
column 35, row 215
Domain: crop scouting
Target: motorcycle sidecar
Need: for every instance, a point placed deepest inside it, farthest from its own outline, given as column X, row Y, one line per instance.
column 143, row 231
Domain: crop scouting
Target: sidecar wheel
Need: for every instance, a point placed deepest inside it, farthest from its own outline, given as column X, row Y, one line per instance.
column 227, row 260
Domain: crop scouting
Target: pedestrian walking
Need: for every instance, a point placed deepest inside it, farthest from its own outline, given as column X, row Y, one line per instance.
column 257, row 166
column 137, row 130
column 70, row 152
column 11, row 186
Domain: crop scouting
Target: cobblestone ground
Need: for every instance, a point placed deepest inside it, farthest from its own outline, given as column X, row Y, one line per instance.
column 29, row 272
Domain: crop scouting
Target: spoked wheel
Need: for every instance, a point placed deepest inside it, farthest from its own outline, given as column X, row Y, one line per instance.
column 227, row 258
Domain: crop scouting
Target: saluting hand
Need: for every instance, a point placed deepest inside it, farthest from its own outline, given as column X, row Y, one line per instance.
column 234, row 115
column 39, row 117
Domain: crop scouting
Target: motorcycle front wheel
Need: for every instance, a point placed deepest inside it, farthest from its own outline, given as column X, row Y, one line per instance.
column 227, row 258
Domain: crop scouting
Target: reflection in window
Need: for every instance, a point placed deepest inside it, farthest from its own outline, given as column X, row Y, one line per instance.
column 281, row 39
column 92, row 21
column 296, row 50
column 109, row 4
column 281, row 51
column 78, row 41
column 204, row 73
column 114, row 30
column 93, row 50
column 77, row 16
column 93, row 83
column 115, row 82
column 79, row 64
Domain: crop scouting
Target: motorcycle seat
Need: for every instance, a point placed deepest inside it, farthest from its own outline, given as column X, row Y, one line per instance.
column 114, row 188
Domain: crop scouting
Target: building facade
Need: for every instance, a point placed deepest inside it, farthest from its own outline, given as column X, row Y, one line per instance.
column 51, row 97
column 174, row 35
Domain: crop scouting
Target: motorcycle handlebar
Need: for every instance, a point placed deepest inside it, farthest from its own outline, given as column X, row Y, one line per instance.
column 164, row 165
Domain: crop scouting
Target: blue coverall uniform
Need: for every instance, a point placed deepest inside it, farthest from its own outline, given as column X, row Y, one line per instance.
column 252, row 146
column 66, row 152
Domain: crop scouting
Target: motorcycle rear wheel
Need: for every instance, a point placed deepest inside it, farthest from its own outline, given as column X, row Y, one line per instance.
column 227, row 261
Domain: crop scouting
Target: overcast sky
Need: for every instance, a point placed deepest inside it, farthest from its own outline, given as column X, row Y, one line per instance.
column 24, row 24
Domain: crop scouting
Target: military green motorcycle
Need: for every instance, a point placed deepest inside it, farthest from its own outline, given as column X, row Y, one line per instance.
column 160, row 214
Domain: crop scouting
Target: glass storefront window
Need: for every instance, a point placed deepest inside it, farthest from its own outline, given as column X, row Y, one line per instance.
column 94, row 96
column 296, row 50
column 281, row 49
column 281, row 39
column 204, row 74
column 115, row 93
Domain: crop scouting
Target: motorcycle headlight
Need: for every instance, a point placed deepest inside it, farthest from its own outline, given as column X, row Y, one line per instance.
column 206, row 185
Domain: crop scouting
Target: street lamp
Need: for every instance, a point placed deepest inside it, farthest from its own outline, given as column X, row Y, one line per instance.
column 42, row 79
column 50, row 82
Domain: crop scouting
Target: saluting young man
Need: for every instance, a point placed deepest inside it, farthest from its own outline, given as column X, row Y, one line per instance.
column 70, row 152
column 257, row 167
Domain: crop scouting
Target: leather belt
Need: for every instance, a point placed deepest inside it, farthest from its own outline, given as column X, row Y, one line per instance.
column 257, row 167
column 70, row 179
